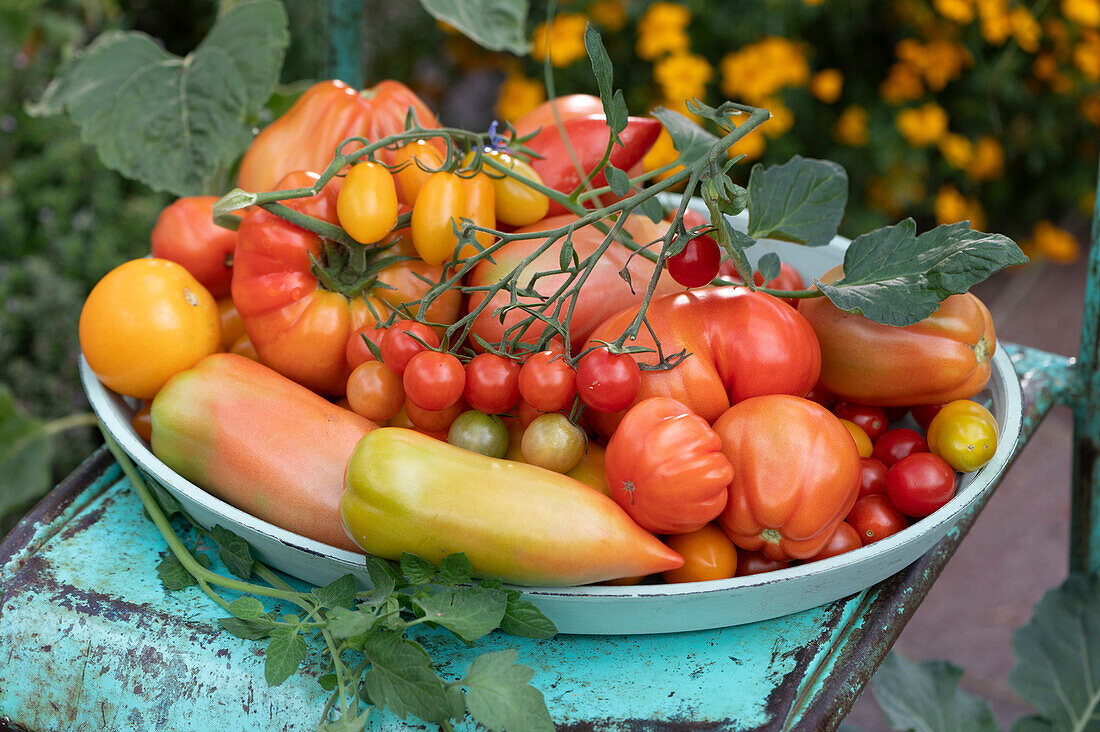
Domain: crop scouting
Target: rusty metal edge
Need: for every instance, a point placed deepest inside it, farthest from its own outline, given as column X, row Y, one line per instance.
column 54, row 506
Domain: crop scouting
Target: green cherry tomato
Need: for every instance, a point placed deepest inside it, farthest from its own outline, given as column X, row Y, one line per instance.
column 551, row 441
column 479, row 432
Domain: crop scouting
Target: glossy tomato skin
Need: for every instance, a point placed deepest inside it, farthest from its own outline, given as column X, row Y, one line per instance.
column 547, row 382
column 413, row 163
column 479, row 432
column 872, row 420
column 843, row 540
column 145, row 321
column 742, row 344
column 492, row 383
column 964, row 433
column 898, row 443
column 697, row 264
column 367, row 202
column 920, row 484
column 788, row 278
column 946, row 356
column 872, row 476
column 517, row 203
column 402, row 341
column 864, row 446
column 749, row 563
column 329, row 112
column 443, row 201
column 434, row 381
column 677, row 483
column 874, row 518
column 796, row 475
column 375, row 392
column 185, row 233
column 708, row 555
column 608, row 382
column 552, row 442
column 924, row 414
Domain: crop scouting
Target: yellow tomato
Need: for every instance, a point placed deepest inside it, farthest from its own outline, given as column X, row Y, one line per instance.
column 145, row 321
column 708, row 555
column 863, row 442
column 517, row 204
column 367, row 203
column 964, row 433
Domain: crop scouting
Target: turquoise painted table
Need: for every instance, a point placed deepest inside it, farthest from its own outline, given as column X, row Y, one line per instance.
column 91, row 640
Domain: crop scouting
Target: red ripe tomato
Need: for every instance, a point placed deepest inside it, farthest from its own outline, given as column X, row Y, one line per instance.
column 872, row 476
column 357, row 351
column 872, row 420
column 399, row 344
column 898, row 443
column 434, row 381
column 697, row 264
column 185, row 233
column 843, row 540
column 492, row 383
column 875, row 518
column 822, row 396
column 924, row 413
column 607, row 381
column 435, row 423
column 920, row 484
column 757, row 563
column 547, row 382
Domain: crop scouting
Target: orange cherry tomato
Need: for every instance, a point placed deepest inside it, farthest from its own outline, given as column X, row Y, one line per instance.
column 414, row 163
column 375, row 392
column 708, row 555
column 367, row 202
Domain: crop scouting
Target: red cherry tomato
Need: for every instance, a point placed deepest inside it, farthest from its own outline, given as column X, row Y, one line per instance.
column 924, row 413
column 547, row 382
column 872, row 477
column 434, row 381
column 875, row 518
column 374, row 391
column 492, row 383
column 697, row 264
column 822, row 396
column 844, row 539
column 357, row 350
column 898, row 443
column 398, row 344
column 872, row 420
column 757, row 563
column 919, row 484
column 435, row 423
column 607, row 381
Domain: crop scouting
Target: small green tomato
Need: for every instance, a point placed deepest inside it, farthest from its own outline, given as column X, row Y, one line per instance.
column 479, row 432
column 551, row 441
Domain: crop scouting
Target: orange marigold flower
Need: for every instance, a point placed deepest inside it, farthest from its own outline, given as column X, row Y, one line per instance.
column 1026, row 31
column 951, row 207
column 1082, row 12
column 996, row 24
column 665, row 15
column 827, row 84
column 1086, row 56
column 782, row 118
column 683, row 75
column 663, row 29
column 1090, row 109
column 1045, row 66
column 608, row 14
column 851, row 127
column 956, row 150
column 564, row 40
column 922, row 126
column 758, row 70
column 751, row 145
column 902, row 84
column 989, row 159
column 518, row 95
column 958, row 11
column 1054, row 243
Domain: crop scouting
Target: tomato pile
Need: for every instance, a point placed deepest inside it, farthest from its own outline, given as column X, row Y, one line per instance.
column 736, row 433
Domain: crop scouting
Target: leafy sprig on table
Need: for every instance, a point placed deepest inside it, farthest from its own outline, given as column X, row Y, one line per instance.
column 373, row 661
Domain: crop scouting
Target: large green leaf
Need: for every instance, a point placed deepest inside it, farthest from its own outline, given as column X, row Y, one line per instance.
column 690, row 140
column 893, row 276
column 801, row 200
column 402, row 678
column 1058, row 658
column 468, row 612
column 500, row 697
column 25, row 454
column 499, row 25
column 926, row 697
column 174, row 123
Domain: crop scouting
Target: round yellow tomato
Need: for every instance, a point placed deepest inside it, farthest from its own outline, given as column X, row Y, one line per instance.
column 863, row 442
column 964, row 433
column 145, row 321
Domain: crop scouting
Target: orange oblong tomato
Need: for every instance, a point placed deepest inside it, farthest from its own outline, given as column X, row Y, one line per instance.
column 944, row 357
column 413, row 164
column 666, row 468
column 297, row 326
column 306, row 136
column 444, row 200
column 796, row 475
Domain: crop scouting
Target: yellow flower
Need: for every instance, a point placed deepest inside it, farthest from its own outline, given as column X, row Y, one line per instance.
column 989, row 159
column 951, row 207
column 902, row 84
column 1054, row 243
column 751, row 145
column 1090, row 109
column 564, row 41
column 608, row 14
column 663, row 29
column 996, row 25
column 898, row 190
column 758, row 70
column 683, row 75
column 939, row 61
column 1026, row 31
column 1082, row 12
column 1086, row 56
column 851, row 127
column 922, row 126
column 956, row 150
column 518, row 95
column 782, row 118
column 662, row 153
column 827, row 84
column 959, row 11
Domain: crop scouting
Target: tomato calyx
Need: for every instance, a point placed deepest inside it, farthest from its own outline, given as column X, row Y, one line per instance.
column 771, row 536
column 351, row 270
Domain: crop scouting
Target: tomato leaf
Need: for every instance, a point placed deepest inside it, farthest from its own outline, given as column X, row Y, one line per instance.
column 402, row 678
column 768, row 265
column 523, row 619
column 172, row 573
column 235, row 552
column 468, row 612
column 1056, row 656
column 498, row 25
column 284, row 654
column 416, row 570
column 614, row 106
column 174, row 123
column 344, row 623
column 500, row 697
column 652, row 208
column 893, row 276
column 340, row 593
column 801, row 200
column 246, row 608
column 455, row 569
column 618, row 180
column 926, row 696
column 690, row 140
column 247, row 629
column 26, row 450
